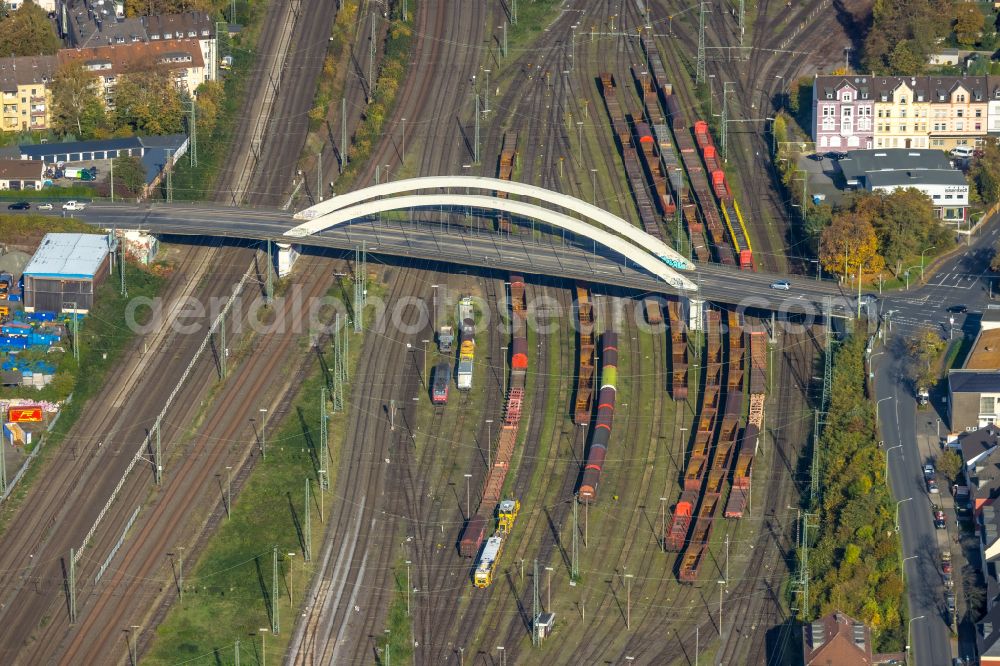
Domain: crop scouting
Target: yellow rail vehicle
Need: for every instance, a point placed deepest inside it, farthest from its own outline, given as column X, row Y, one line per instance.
column 488, row 561
column 506, row 513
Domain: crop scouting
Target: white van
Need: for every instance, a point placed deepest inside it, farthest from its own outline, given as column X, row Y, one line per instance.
column 964, row 152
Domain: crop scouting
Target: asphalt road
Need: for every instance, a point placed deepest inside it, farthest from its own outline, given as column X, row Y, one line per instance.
column 960, row 279
column 716, row 283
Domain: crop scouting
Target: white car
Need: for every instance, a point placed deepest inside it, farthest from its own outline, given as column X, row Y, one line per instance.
column 782, row 285
column 45, row 206
column 73, row 205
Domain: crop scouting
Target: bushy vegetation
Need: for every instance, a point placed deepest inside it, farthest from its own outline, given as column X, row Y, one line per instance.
column 904, row 32
column 854, row 560
column 27, row 32
column 398, row 47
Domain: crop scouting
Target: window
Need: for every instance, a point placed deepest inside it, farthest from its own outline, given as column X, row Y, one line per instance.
column 880, row 113
column 937, row 196
column 959, row 126
column 959, row 113
column 948, row 196
column 828, row 124
column 902, row 100
column 960, row 98
column 986, row 405
column 847, row 97
column 902, row 113
column 902, row 128
column 979, row 127
column 937, row 142
column 979, row 113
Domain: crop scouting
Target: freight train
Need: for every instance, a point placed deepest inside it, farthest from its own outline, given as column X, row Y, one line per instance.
column 442, row 379
column 475, row 528
column 466, row 345
column 584, row 403
column 605, row 417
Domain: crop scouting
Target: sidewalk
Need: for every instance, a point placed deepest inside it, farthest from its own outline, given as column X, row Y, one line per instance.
column 928, row 444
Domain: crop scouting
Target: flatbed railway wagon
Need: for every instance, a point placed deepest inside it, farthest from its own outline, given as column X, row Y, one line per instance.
column 601, row 435
column 505, row 170
column 727, row 203
column 439, row 387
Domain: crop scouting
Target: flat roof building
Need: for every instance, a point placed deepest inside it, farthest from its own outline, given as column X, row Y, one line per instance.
column 890, row 169
column 65, row 271
column 974, row 390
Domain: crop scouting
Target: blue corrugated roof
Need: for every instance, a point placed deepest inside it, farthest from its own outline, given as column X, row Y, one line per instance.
column 42, row 150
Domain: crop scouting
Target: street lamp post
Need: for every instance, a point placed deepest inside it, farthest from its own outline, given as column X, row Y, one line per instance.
column 663, row 524
column 922, row 259
column 263, row 433
column 263, row 645
column 908, row 499
column 880, row 400
column 909, row 631
column 468, row 500
column 503, row 656
column 291, row 580
column 902, row 567
column 887, row 452
column 593, row 180
column 489, row 443
column 229, row 490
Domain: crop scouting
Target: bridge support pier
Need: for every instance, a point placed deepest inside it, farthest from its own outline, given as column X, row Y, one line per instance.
column 695, row 308
column 288, row 253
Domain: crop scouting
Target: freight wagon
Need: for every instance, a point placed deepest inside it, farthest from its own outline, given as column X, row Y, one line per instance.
column 472, row 536
column 442, row 379
column 467, row 345
column 605, row 417
column 583, row 405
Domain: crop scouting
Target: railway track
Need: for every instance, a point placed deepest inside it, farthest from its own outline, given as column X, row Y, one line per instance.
column 55, row 515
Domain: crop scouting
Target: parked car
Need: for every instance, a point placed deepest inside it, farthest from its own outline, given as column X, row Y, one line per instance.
column 946, row 562
column 932, row 486
column 929, row 471
column 20, row 205
column 836, row 155
column 950, row 600
column 948, row 581
column 45, row 206
column 963, row 152
column 816, row 157
column 939, row 519
column 783, row 285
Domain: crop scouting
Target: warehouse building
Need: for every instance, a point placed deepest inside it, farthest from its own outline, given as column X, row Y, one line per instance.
column 930, row 171
column 65, row 272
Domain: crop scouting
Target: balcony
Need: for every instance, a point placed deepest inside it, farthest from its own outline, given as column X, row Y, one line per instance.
column 40, row 99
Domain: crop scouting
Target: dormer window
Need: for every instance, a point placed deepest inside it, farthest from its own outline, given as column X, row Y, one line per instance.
column 960, row 98
column 885, row 98
column 829, row 95
column 864, row 95
column 902, row 100
column 847, row 97
column 920, row 97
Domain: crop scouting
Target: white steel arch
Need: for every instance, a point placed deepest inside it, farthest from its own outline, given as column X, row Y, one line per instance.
column 609, row 220
column 631, row 252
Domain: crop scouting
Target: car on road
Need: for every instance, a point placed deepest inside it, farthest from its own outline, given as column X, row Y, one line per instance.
column 950, row 600
column 45, row 206
column 20, row 205
column 958, row 309
column 939, row 519
column 835, row 155
column 73, row 205
column 929, row 471
column 783, row 285
column 932, row 486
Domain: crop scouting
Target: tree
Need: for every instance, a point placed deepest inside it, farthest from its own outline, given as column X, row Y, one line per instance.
column 985, row 172
column 923, row 351
column 76, row 108
column 130, row 176
column 995, row 260
column 27, row 32
column 949, row 463
column 148, row 102
column 905, row 59
column 849, row 243
column 211, row 96
column 154, row 7
column 969, row 23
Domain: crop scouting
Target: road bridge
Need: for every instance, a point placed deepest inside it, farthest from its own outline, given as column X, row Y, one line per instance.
column 471, row 247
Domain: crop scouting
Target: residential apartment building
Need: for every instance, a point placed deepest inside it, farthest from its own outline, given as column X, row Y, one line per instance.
column 182, row 58
column 24, row 93
column 940, row 112
column 842, row 112
column 14, row 5
column 92, row 23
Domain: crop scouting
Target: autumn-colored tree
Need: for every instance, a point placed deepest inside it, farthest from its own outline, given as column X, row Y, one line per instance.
column 995, row 259
column 155, row 7
column 923, row 351
column 211, row 95
column 969, row 23
column 28, row 31
column 949, row 463
column 130, row 176
column 903, row 32
column 849, row 243
column 985, row 172
column 148, row 102
column 76, row 107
